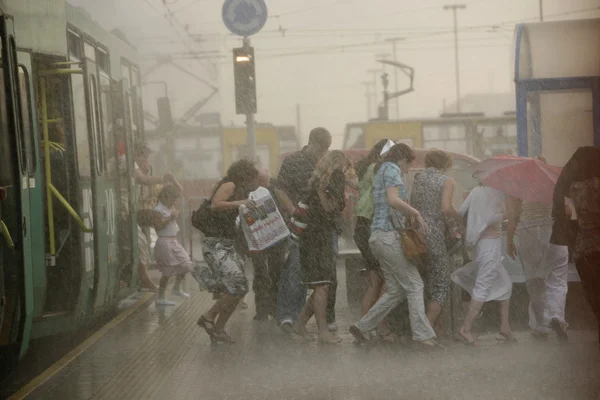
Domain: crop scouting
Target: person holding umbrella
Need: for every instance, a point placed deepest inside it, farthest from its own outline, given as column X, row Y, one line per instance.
column 580, row 181
column 545, row 265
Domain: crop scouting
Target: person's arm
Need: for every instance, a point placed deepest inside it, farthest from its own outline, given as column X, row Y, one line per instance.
column 220, row 200
column 284, row 183
column 513, row 208
column 161, row 222
column 287, row 204
column 393, row 183
column 464, row 208
column 146, row 180
column 448, row 208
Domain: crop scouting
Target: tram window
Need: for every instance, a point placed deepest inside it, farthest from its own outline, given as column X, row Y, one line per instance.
column 96, row 136
column 74, row 45
column 6, row 153
column 103, row 60
column 90, row 51
column 25, row 98
column 108, row 130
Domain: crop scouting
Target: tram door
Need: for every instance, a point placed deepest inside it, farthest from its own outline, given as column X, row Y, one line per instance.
column 97, row 173
column 15, row 243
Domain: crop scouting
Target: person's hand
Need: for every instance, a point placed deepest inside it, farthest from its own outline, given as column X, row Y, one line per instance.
column 511, row 250
column 169, row 177
column 421, row 222
column 249, row 203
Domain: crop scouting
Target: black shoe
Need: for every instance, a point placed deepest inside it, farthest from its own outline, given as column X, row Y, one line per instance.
column 561, row 330
column 287, row 328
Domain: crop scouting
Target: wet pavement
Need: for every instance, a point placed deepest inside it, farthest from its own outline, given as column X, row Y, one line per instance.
column 160, row 353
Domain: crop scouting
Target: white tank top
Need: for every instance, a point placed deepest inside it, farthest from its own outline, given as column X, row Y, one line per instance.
column 172, row 229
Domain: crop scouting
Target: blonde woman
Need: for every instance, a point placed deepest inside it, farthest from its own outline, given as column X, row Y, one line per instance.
column 325, row 201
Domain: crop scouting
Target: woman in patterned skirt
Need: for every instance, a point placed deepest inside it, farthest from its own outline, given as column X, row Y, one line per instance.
column 432, row 196
column 219, row 248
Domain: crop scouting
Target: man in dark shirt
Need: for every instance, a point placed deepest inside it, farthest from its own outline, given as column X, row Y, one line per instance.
column 292, row 184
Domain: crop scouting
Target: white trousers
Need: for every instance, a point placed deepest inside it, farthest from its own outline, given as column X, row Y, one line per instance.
column 546, row 268
column 485, row 279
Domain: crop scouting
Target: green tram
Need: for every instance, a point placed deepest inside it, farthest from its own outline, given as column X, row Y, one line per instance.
column 67, row 230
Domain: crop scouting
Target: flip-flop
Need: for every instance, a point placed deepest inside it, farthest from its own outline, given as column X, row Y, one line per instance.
column 507, row 338
column 459, row 337
column 209, row 326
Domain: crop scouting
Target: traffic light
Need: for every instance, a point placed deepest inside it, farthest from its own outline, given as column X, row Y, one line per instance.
column 245, row 80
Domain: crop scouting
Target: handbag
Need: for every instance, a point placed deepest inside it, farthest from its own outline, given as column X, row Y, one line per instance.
column 414, row 245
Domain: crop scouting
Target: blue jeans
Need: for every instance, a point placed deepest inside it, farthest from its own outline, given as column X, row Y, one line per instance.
column 291, row 295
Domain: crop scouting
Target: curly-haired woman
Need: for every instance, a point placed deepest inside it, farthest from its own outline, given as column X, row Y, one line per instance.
column 317, row 256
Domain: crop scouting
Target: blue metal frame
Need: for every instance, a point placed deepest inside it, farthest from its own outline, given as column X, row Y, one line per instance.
column 532, row 88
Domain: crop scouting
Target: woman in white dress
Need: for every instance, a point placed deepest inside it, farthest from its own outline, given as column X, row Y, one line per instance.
column 485, row 279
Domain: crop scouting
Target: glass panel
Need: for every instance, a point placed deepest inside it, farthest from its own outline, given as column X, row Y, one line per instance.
column 81, row 128
column 355, row 138
column 6, row 147
column 108, row 135
column 96, row 136
column 26, row 123
column 90, row 51
column 566, row 124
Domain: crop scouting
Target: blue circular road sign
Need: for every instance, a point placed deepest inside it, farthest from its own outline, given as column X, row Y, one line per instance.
column 244, row 17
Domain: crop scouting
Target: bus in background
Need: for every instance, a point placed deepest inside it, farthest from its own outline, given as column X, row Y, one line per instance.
column 471, row 133
column 204, row 153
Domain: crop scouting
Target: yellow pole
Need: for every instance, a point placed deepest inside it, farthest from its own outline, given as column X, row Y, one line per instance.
column 47, row 167
column 6, row 233
column 70, row 209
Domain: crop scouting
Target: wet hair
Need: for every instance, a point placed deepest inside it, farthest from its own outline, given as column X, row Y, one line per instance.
column 397, row 153
column 242, row 172
column 363, row 165
column 334, row 160
column 438, row 159
column 320, row 137
column 168, row 192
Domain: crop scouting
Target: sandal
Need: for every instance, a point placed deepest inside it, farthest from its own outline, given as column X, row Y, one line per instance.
column 459, row 337
column 358, row 335
column 221, row 337
column 507, row 338
column 208, row 325
column 330, row 340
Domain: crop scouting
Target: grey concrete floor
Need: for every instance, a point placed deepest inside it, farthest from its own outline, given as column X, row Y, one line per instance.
column 162, row 354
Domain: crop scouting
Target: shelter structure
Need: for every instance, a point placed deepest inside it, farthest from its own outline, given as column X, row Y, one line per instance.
column 557, row 77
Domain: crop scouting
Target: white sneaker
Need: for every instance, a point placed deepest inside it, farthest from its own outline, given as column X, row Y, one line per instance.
column 181, row 293
column 165, row 302
column 332, row 327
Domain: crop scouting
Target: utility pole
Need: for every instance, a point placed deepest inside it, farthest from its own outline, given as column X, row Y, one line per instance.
column 394, row 55
column 368, row 96
column 455, row 8
column 541, row 10
column 375, row 72
column 250, row 125
column 298, row 122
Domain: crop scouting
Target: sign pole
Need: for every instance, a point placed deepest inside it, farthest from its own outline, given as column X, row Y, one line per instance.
column 250, row 123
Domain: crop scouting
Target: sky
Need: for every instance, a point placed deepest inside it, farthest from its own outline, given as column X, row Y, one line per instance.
column 315, row 55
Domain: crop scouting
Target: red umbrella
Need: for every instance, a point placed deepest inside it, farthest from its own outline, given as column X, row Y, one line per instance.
column 528, row 179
